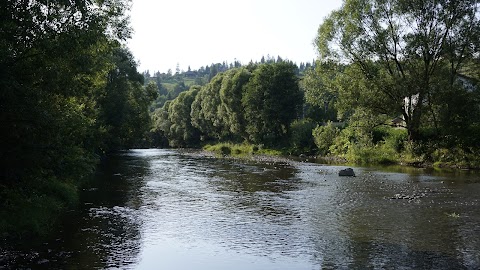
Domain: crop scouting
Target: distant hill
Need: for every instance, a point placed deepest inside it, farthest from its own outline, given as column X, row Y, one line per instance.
column 170, row 84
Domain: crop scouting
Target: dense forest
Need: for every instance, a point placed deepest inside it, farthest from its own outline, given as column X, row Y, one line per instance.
column 396, row 81
column 70, row 94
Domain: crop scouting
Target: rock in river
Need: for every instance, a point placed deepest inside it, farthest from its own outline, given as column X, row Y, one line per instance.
column 346, row 172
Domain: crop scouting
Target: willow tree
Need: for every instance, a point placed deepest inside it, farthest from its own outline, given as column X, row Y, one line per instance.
column 272, row 100
column 181, row 131
column 231, row 109
column 205, row 107
column 400, row 53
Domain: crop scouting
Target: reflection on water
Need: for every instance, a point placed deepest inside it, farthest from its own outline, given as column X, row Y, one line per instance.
column 164, row 209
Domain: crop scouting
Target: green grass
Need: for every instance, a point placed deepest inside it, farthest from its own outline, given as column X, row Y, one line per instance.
column 169, row 86
column 240, row 150
column 189, row 81
column 230, row 149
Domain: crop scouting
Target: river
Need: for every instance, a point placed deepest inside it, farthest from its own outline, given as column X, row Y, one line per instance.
column 170, row 209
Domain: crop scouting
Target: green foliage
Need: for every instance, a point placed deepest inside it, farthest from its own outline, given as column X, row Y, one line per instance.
column 181, row 130
column 325, row 137
column 124, row 104
column 401, row 56
column 237, row 105
column 237, row 150
column 320, row 89
column 456, row 157
column 231, row 109
column 396, row 139
column 173, row 121
column 205, row 116
column 32, row 208
column 359, row 147
column 377, row 154
column 241, row 150
column 272, row 100
column 69, row 93
column 161, row 125
column 301, row 139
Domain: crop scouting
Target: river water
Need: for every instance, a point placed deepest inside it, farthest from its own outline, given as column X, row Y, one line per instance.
column 167, row 209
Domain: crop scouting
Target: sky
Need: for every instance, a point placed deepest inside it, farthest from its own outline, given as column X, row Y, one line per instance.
column 197, row 33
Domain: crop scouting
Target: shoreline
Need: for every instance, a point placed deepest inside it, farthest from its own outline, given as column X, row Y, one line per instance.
column 334, row 161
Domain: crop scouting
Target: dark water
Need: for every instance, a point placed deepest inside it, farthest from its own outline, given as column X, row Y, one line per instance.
column 162, row 209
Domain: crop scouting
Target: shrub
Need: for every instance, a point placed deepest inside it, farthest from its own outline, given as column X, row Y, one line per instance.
column 225, row 150
column 324, row 137
column 396, row 139
column 230, row 148
column 301, row 139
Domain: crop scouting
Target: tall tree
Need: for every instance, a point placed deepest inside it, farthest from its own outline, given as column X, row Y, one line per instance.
column 272, row 100
column 55, row 61
column 400, row 51
column 231, row 109
column 124, row 103
column 181, row 131
column 204, row 113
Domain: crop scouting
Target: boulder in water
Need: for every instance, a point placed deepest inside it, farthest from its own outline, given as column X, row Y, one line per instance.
column 346, row 172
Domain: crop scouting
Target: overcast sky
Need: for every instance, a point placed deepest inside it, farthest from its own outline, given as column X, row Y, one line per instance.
column 196, row 33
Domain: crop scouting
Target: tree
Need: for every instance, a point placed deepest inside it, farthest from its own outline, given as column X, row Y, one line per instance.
column 272, row 100
column 55, row 59
column 204, row 113
column 124, row 104
column 400, row 51
column 231, row 109
column 213, row 71
column 162, row 91
column 322, row 92
column 181, row 131
column 177, row 69
column 161, row 122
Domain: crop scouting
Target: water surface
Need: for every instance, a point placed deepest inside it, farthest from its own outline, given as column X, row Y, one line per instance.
column 165, row 209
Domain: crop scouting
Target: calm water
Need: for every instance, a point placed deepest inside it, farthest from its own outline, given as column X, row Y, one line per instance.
column 164, row 209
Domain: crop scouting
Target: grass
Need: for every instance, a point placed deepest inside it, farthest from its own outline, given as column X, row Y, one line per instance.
column 169, row 86
column 189, row 81
column 240, row 150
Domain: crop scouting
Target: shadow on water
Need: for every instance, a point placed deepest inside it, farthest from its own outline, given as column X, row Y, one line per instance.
column 102, row 232
column 165, row 209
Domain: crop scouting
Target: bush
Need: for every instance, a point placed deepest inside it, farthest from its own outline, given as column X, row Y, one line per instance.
column 382, row 145
column 301, row 139
column 230, row 148
column 324, row 137
column 455, row 157
column 226, row 150
column 375, row 154
column 395, row 139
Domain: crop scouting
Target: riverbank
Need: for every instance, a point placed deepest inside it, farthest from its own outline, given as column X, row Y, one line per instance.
column 32, row 209
column 256, row 153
